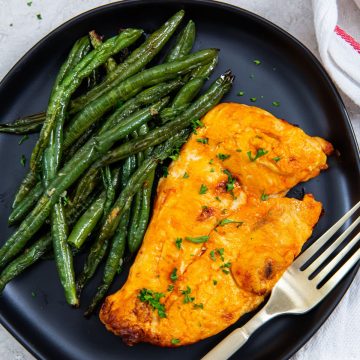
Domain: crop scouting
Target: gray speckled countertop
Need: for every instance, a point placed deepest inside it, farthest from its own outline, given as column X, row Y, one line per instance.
column 20, row 29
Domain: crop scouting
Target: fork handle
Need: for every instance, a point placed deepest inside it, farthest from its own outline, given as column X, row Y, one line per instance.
column 235, row 340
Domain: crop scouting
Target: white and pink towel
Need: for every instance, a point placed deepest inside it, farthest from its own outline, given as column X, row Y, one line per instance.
column 337, row 27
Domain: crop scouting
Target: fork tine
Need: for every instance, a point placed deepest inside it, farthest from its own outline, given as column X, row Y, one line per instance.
column 313, row 248
column 336, row 278
column 326, row 270
column 324, row 255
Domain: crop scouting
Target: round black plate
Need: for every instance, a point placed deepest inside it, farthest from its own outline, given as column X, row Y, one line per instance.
column 33, row 308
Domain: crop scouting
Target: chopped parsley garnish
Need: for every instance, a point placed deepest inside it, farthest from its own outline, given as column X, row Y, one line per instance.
column 215, row 282
column 257, row 62
column 203, row 140
column 196, row 123
column 178, row 242
column 198, row 240
column 39, row 16
column 211, row 161
column 175, row 341
column 212, row 170
column 225, row 267
column 217, row 251
column 231, row 181
column 241, row 93
column 253, row 99
column 24, row 138
column 153, row 299
column 186, row 175
column 173, row 275
column 223, row 222
column 170, row 287
column 203, row 189
column 187, row 297
column 165, row 171
column 29, row 3
column 276, row 103
column 276, row 159
column 259, row 152
column 23, row 160
column 199, row 306
column 238, row 150
column 217, row 198
column 222, row 157
column 264, row 197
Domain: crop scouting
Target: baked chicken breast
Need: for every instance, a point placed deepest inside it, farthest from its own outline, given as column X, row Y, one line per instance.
column 222, row 232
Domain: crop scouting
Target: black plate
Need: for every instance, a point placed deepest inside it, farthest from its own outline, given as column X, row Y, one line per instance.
column 33, row 307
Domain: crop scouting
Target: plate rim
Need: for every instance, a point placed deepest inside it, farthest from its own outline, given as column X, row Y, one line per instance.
column 236, row 9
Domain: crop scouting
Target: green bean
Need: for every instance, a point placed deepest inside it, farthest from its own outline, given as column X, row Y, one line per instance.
column 96, row 41
column 24, row 206
column 138, row 230
column 100, row 206
column 137, row 200
column 184, row 43
column 92, row 112
column 116, row 253
column 26, row 185
column 20, row 130
column 136, row 61
column 88, row 154
column 188, row 92
column 34, row 119
column 27, row 258
column 60, row 98
column 79, row 50
column 136, row 209
column 59, row 230
column 63, row 256
column 123, row 204
column 87, row 222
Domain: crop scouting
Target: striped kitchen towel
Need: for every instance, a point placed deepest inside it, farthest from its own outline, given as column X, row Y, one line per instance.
column 337, row 27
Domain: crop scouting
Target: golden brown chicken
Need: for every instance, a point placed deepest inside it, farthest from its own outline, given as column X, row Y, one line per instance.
column 222, row 233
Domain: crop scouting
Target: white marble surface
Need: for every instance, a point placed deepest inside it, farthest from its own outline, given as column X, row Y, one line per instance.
column 20, row 29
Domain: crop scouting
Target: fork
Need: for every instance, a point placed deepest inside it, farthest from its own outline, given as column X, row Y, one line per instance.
column 301, row 287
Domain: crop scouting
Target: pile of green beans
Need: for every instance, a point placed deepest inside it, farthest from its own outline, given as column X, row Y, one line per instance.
column 92, row 170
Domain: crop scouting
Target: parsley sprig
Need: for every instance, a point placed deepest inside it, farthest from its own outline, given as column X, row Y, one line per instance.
column 153, row 299
column 224, row 222
column 197, row 240
column 259, row 152
column 187, row 297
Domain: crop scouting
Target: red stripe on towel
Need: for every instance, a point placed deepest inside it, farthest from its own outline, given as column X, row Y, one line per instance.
column 348, row 38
